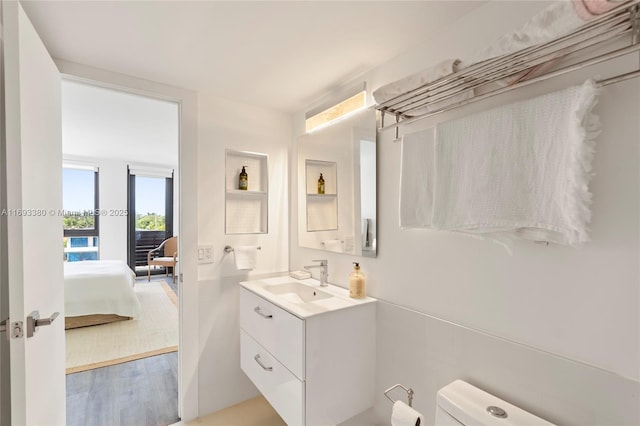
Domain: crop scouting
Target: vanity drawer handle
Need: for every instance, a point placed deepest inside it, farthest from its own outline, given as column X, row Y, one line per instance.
column 264, row 367
column 257, row 311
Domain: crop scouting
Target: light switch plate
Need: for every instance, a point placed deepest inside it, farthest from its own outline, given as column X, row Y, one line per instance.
column 205, row 254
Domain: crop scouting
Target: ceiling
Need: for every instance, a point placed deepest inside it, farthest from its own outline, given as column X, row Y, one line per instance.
column 280, row 55
column 101, row 123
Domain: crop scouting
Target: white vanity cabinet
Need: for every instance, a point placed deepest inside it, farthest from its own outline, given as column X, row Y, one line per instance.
column 314, row 369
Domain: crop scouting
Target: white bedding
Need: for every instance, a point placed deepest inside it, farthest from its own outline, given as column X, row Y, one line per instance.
column 99, row 287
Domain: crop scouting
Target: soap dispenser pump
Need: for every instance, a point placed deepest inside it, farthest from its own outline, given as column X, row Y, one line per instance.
column 243, row 180
column 356, row 283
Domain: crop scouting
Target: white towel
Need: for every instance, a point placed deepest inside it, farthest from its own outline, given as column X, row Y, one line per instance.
column 416, row 80
column 419, row 79
column 558, row 19
column 520, row 170
column 403, row 415
column 245, row 256
column 416, row 179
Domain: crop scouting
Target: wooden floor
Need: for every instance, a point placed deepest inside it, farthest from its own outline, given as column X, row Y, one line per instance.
column 140, row 393
column 253, row 412
column 136, row 393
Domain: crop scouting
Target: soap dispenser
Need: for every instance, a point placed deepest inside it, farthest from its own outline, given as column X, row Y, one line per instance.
column 243, row 180
column 356, row 282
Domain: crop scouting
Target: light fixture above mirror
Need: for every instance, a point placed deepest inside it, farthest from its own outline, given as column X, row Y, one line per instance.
column 348, row 103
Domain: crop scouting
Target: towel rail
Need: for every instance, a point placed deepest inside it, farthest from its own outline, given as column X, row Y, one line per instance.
column 229, row 249
column 603, row 82
column 496, row 69
column 619, row 23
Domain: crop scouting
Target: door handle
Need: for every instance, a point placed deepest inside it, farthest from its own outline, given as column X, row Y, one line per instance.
column 257, row 311
column 34, row 321
column 264, row 367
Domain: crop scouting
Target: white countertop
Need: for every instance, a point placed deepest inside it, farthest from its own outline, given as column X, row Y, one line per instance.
column 340, row 299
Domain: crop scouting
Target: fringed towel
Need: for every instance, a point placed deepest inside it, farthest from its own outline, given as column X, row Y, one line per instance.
column 416, row 179
column 520, row 170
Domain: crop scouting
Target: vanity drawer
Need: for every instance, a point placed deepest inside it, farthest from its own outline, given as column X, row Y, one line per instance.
column 278, row 331
column 283, row 390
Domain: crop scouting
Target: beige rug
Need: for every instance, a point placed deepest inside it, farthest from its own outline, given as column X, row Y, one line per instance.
column 154, row 333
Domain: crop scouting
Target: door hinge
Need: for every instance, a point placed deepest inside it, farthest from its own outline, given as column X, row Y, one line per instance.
column 180, row 276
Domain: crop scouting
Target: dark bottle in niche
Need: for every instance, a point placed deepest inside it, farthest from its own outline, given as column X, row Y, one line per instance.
column 320, row 184
column 243, row 180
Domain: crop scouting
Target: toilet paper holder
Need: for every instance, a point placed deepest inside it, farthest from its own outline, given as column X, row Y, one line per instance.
column 409, row 392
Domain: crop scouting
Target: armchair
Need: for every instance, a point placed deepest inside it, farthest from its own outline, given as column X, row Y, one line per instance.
column 169, row 260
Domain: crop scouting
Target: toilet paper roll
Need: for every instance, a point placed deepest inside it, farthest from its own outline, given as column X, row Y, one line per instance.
column 403, row 415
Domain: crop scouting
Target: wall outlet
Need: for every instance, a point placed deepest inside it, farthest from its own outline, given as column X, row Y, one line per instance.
column 205, row 254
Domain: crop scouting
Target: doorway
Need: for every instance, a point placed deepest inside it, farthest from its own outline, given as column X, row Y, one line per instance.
column 132, row 141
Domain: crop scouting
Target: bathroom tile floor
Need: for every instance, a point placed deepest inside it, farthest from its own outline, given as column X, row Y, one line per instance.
column 253, row 412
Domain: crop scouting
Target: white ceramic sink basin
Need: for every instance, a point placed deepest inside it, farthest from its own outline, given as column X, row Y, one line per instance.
column 296, row 292
column 303, row 298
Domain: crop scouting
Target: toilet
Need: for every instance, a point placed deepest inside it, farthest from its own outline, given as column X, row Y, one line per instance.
column 460, row 403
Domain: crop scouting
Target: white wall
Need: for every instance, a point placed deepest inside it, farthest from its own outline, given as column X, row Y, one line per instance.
column 227, row 124
column 577, row 309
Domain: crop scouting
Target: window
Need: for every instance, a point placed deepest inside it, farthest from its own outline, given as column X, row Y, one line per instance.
column 81, row 213
column 150, row 207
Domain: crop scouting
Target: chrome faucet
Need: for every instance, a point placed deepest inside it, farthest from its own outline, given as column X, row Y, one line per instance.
column 324, row 270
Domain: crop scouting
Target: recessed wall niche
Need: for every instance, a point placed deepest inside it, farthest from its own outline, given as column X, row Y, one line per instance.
column 322, row 205
column 246, row 211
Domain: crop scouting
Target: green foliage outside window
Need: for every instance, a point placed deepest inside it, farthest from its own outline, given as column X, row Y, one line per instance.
column 150, row 222
column 78, row 222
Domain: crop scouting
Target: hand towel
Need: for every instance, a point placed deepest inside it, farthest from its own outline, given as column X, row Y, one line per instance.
column 519, row 170
column 245, row 257
column 403, row 415
column 416, row 179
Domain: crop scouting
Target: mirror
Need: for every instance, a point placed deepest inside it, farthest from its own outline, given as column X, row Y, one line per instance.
column 337, row 186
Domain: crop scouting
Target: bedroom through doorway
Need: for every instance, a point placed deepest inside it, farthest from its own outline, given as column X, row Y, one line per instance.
column 120, row 219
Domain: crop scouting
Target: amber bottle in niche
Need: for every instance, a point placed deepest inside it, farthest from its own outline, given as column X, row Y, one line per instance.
column 321, row 184
column 243, row 180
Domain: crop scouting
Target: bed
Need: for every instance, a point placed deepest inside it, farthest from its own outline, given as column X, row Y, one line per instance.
column 98, row 292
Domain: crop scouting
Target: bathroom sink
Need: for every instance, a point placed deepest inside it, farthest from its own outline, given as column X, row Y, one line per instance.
column 296, row 292
column 303, row 298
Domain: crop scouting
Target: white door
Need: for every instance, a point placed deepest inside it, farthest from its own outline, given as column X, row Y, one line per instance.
column 34, row 227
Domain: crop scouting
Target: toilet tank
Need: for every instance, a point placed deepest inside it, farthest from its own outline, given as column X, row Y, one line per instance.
column 460, row 403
